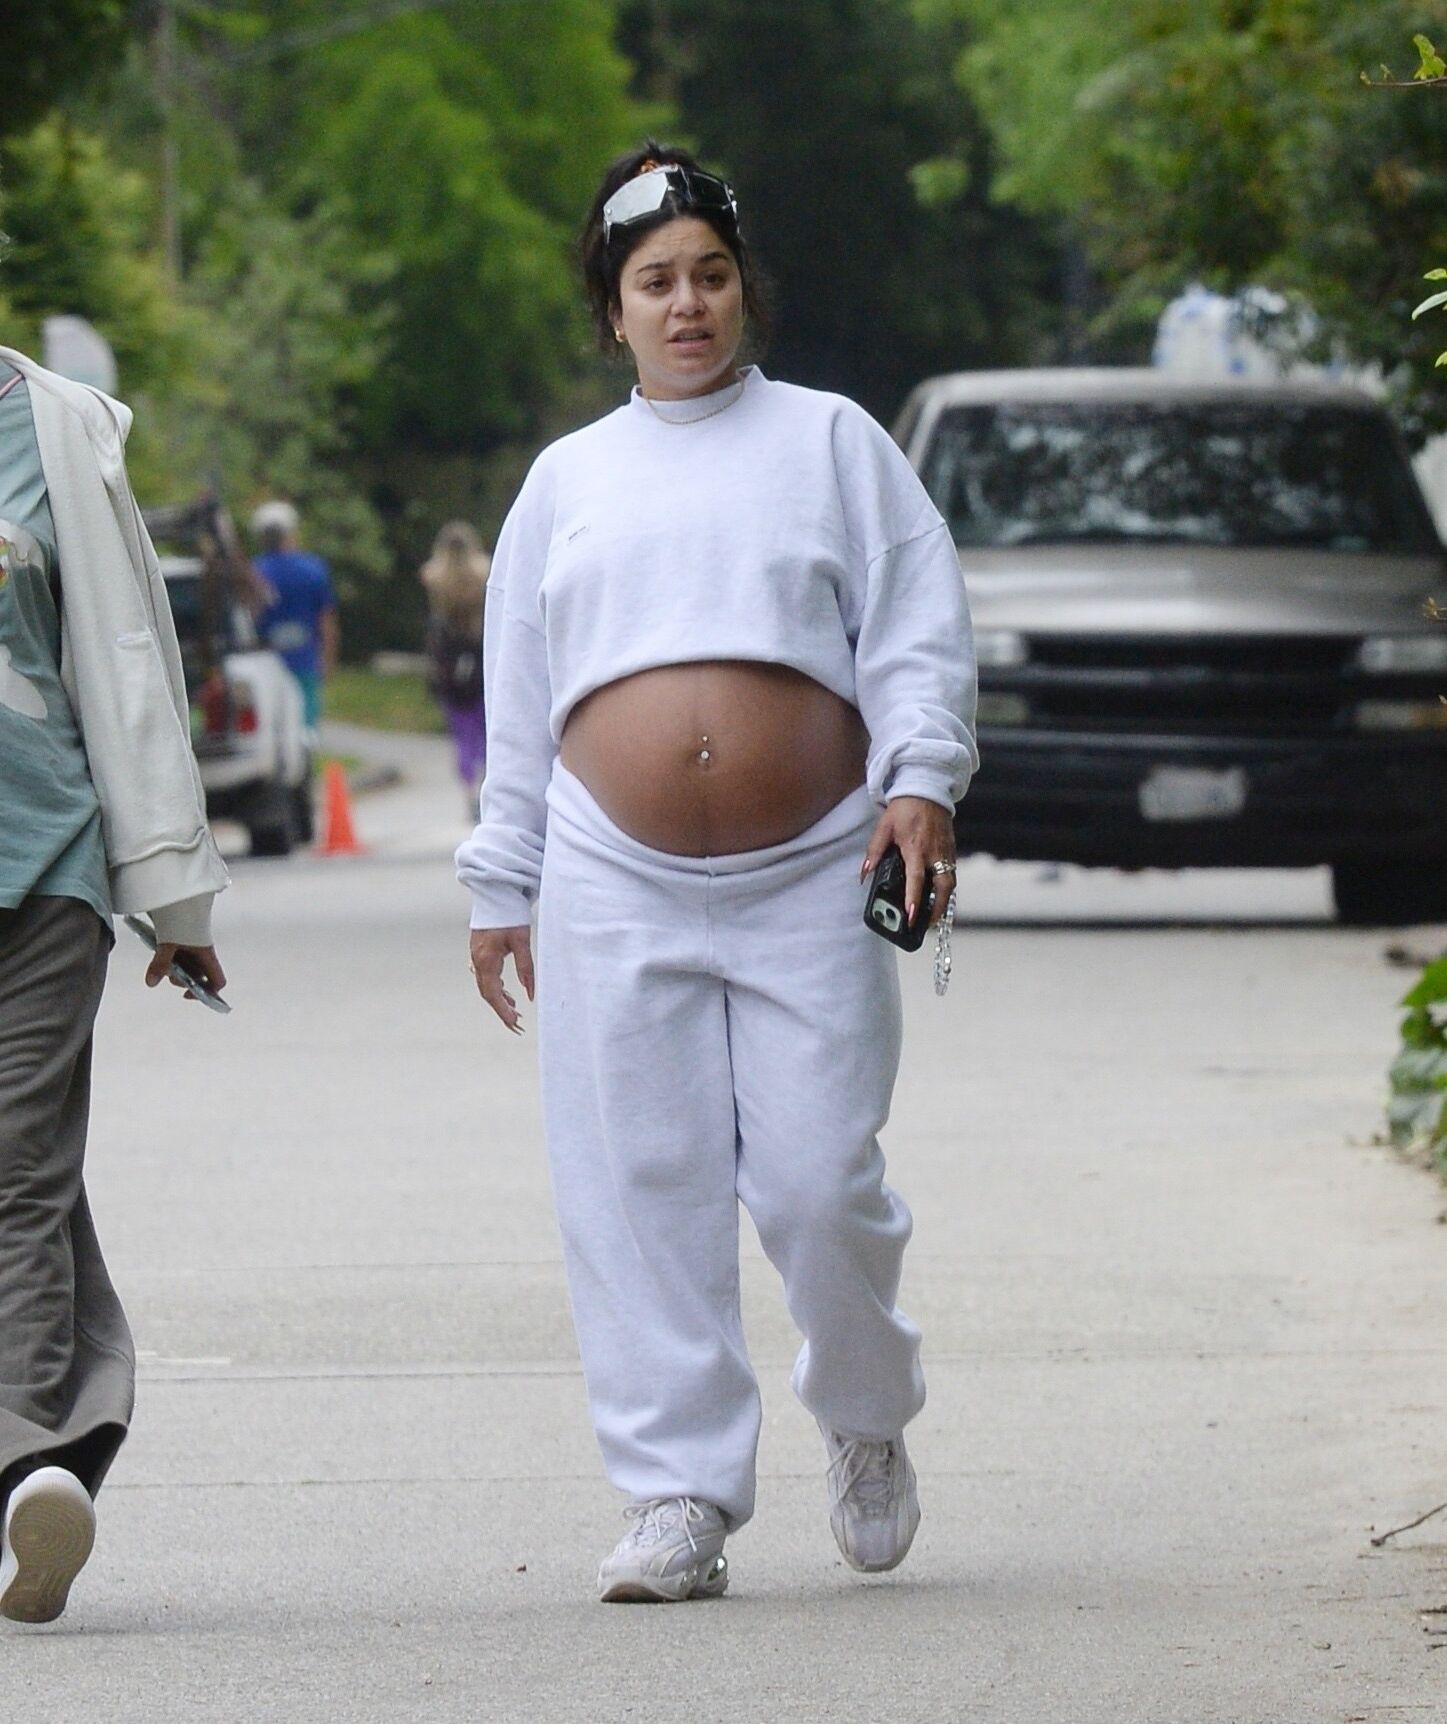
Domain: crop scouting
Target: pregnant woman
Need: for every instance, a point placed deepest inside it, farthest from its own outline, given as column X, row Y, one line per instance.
column 727, row 665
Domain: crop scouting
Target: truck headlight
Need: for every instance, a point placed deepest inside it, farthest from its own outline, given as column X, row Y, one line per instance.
column 1402, row 715
column 1004, row 710
column 1404, row 655
column 1000, row 649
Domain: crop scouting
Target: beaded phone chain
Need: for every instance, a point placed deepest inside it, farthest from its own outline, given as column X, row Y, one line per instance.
column 942, row 947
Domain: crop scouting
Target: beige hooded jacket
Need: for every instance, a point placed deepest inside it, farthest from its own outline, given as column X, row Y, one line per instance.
column 120, row 664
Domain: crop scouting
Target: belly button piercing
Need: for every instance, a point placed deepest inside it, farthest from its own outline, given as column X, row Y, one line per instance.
column 703, row 753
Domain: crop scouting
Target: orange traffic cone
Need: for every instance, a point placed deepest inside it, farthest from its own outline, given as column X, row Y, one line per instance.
column 339, row 837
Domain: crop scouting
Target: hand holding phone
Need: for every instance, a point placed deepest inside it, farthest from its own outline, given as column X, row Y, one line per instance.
column 179, row 974
column 884, row 908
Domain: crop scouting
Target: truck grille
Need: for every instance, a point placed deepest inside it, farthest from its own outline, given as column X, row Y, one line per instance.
column 1227, row 685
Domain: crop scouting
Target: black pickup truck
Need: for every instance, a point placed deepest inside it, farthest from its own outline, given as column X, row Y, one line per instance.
column 1205, row 625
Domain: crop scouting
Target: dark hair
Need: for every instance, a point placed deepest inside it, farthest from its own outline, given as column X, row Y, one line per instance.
column 603, row 263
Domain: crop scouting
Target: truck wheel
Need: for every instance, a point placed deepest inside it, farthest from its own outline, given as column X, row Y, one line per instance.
column 303, row 819
column 1390, row 894
column 273, row 825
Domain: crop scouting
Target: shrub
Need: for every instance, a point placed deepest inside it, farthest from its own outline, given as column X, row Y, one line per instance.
column 1417, row 1109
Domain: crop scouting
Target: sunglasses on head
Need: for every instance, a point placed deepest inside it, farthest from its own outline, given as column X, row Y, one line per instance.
column 645, row 195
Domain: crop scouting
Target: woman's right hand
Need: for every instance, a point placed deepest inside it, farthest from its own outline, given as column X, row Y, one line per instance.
column 488, row 947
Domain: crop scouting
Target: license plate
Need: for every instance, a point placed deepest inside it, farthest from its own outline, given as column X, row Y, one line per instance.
column 1193, row 793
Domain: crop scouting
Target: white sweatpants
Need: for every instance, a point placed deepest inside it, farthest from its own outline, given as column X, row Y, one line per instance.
column 710, row 1029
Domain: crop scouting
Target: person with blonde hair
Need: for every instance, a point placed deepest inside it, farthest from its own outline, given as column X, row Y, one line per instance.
column 455, row 579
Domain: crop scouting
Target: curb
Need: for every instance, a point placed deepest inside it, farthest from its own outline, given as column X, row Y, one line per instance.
column 368, row 778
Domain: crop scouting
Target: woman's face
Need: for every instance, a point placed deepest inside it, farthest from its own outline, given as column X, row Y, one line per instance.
column 681, row 310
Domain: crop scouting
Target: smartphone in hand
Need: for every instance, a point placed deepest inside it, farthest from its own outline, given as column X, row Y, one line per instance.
column 178, row 972
column 884, row 907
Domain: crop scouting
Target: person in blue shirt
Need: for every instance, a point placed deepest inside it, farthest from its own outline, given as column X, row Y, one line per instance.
column 300, row 622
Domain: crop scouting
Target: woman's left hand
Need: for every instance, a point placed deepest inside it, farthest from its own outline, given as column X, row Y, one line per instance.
column 925, row 833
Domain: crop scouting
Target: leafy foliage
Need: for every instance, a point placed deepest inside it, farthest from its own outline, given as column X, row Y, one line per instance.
column 77, row 225
column 1417, row 1111
column 77, row 229
column 463, row 144
column 377, row 313
column 1432, row 301
column 865, row 177
column 282, row 344
column 1229, row 141
column 52, row 47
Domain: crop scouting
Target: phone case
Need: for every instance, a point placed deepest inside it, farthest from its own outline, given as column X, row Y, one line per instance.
column 884, row 907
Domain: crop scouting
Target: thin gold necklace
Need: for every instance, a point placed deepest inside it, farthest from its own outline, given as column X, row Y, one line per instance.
column 699, row 418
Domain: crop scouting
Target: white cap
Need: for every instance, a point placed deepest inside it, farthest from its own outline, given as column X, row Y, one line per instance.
column 277, row 515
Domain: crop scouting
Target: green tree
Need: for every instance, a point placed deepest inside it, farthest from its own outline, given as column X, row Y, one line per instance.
column 279, row 346
column 77, row 226
column 52, row 48
column 462, row 143
column 866, row 177
column 1229, row 141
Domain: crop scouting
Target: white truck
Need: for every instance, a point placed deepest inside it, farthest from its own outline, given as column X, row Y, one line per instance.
column 1204, row 623
column 248, row 726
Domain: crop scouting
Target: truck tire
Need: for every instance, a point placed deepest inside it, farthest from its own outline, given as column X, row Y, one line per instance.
column 272, row 822
column 303, row 818
column 1390, row 894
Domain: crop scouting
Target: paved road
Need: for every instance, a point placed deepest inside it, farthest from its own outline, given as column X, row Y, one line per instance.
column 1184, row 1328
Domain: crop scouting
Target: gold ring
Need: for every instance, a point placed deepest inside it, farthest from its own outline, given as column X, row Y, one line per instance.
column 941, row 867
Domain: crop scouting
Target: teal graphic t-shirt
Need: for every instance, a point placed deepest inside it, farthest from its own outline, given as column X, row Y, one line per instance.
column 50, row 826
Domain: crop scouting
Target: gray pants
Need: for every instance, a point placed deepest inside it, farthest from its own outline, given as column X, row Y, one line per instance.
column 67, row 1365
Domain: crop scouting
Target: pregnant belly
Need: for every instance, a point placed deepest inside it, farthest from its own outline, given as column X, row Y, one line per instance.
column 708, row 759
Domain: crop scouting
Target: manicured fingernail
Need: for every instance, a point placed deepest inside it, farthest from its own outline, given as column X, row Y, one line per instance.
column 909, row 912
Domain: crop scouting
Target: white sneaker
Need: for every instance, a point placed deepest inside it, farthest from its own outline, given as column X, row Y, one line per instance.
column 873, row 1503
column 48, row 1534
column 672, row 1551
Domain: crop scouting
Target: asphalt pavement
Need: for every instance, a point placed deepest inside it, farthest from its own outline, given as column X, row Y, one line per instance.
column 1183, row 1320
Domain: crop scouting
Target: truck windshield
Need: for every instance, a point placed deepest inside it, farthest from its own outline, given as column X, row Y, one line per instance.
column 1200, row 473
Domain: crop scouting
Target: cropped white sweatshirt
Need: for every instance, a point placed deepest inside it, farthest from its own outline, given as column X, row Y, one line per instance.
column 785, row 529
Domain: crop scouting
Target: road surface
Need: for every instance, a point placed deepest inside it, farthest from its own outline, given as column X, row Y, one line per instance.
column 1184, row 1338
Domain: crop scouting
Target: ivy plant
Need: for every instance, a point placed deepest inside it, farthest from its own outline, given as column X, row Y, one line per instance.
column 1417, row 1109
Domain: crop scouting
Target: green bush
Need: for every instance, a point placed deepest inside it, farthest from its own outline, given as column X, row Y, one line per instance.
column 1417, row 1110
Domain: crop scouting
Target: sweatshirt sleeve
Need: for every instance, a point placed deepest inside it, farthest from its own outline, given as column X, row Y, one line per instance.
column 915, row 670
column 502, row 862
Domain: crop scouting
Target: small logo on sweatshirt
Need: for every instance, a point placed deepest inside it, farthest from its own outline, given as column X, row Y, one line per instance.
column 576, row 533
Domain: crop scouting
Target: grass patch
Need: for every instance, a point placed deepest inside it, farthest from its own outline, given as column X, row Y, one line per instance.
column 357, row 695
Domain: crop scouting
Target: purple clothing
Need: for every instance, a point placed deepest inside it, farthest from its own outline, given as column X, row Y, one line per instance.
column 469, row 738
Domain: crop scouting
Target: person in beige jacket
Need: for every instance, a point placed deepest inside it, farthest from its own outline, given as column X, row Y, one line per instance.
column 101, row 810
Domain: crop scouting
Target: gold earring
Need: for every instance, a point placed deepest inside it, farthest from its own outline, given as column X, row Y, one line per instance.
column 618, row 335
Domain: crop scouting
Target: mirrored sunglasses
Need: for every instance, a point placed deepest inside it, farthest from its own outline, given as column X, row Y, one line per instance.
column 644, row 196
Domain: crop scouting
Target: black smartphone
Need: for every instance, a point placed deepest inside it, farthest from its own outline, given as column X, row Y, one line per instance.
column 884, row 907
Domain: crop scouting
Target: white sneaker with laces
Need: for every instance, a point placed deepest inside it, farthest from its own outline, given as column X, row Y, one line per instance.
column 672, row 1551
column 48, row 1534
column 873, row 1503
